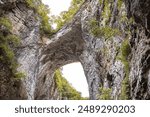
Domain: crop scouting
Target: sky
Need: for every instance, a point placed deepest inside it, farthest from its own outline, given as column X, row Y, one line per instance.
column 75, row 75
column 72, row 72
column 57, row 6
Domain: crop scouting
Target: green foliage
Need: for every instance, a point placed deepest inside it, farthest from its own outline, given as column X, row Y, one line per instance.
column 8, row 53
column 45, row 27
column 105, row 93
column 47, row 21
column 15, row 40
column 5, row 22
column 94, row 23
column 96, row 31
column 66, row 16
column 124, row 17
column 7, row 56
column 131, row 20
column 19, row 75
column 105, row 31
column 7, row 42
column 100, row 1
column 125, row 89
column 125, row 51
column 43, row 12
column 30, row 3
column 120, row 2
column 65, row 89
column 106, row 14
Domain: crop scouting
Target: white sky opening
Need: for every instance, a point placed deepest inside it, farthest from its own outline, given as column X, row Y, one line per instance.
column 72, row 72
column 75, row 75
column 57, row 6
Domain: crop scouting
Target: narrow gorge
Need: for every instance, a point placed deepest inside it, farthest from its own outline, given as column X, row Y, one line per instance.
column 110, row 38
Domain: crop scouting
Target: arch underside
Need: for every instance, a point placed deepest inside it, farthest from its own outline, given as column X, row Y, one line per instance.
column 69, row 45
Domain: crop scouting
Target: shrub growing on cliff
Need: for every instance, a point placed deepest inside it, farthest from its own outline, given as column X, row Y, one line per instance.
column 106, row 14
column 5, row 22
column 8, row 42
column 19, row 75
column 43, row 12
column 13, row 39
column 120, row 2
column 7, row 56
column 66, row 16
column 104, row 31
column 65, row 89
column 8, row 53
column 105, row 93
column 125, row 51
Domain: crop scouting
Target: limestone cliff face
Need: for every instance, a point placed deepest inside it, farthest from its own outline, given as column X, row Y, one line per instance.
column 26, row 24
column 109, row 38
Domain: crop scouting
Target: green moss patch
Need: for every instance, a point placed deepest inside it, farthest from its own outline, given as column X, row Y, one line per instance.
column 125, row 51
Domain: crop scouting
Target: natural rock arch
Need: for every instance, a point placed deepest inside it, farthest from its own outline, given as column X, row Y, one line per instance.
column 70, row 44
column 74, row 42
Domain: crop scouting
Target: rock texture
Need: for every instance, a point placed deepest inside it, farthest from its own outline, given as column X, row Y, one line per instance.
column 26, row 26
column 140, row 62
column 103, row 60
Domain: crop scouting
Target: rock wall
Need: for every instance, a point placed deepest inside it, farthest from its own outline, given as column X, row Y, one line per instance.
column 109, row 37
column 140, row 61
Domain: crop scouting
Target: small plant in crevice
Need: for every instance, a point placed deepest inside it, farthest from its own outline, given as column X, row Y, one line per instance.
column 4, row 22
column 125, row 88
column 120, row 2
column 104, row 31
column 106, row 10
column 105, row 93
column 100, row 2
column 106, row 14
column 124, row 53
column 19, row 75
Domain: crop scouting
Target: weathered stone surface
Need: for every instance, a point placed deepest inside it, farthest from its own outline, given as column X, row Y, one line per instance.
column 26, row 25
column 75, row 43
column 140, row 62
column 140, row 11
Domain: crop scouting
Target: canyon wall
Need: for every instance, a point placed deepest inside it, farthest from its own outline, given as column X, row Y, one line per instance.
column 110, row 38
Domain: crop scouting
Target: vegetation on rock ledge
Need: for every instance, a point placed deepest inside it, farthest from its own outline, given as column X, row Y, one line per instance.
column 125, row 51
column 65, row 89
column 104, row 31
column 66, row 16
column 8, row 41
column 105, row 93
column 43, row 12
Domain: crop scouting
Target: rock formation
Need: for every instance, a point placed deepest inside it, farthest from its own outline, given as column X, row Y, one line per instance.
column 109, row 37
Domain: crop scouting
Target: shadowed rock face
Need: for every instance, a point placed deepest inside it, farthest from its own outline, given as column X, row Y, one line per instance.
column 140, row 62
column 26, row 26
column 74, row 42
column 140, row 11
